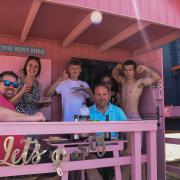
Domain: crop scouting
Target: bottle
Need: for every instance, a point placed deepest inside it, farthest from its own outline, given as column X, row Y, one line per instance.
column 83, row 116
column 84, row 112
column 107, row 135
column 76, row 136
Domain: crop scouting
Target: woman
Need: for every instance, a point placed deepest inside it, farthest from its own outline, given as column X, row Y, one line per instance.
column 26, row 100
column 107, row 80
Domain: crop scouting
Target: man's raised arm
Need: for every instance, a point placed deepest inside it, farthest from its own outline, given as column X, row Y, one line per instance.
column 152, row 76
column 7, row 115
column 51, row 89
column 115, row 73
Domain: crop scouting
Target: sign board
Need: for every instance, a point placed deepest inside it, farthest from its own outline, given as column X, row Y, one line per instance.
column 22, row 49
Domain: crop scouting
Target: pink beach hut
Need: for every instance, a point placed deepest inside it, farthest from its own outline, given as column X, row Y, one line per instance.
column 58, row 30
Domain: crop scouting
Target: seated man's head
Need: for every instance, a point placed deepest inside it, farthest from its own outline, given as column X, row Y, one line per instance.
column 74, row 69
column 102, row 96
column 129, row 69
column 8, row 84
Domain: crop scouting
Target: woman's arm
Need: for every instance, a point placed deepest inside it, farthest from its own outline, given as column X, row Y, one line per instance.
column 25, row 89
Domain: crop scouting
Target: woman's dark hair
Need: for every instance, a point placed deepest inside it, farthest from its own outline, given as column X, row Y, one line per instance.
column 106, row 75
column 130, row 62
column 34, row 58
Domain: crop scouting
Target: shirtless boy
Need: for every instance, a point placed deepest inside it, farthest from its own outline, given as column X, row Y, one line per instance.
column 131, row 87
column 131, row 91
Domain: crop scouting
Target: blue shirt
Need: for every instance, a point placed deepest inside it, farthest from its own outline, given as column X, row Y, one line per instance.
column 114, row 112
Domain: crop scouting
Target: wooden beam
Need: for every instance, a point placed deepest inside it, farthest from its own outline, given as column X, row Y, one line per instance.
column 30, row 19
column 81, row 27
column 134, row 28
column 158, row 43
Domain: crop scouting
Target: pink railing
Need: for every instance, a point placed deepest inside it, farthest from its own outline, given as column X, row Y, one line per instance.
column 135, row 159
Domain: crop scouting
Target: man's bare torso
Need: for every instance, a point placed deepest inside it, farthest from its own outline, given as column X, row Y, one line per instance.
column 131, row 92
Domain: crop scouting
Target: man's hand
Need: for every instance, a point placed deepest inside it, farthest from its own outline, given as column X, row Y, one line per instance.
column 119, row 66
column 65, row 75
column 51, row 90
column 116, row 73
column 38, row 117
column 87, row 91
column 140, row 69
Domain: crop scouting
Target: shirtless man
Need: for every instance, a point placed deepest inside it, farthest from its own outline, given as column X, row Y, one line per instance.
column 131, row 87
column 130, row 92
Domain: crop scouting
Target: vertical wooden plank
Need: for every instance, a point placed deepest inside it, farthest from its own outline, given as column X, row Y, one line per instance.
column 170, row 12
column 136, row 155
column 145, row 9
column 117, row 168
column 162, row 11
column 126, row 7
column 153, row 10
column 92, row 4
column 136, row 8
column 177, row 16
column 115, row 6
column 105, row 5
column 161, row 166
column 80, row 3
column 64, row 176
column 151, row 156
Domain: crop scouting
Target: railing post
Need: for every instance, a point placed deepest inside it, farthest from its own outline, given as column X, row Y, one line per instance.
column 117, row 168
column 64, row 176
column 151, row 155
column 136, row 155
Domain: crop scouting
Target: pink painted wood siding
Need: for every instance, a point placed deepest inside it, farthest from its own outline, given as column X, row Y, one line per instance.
column 159, row 11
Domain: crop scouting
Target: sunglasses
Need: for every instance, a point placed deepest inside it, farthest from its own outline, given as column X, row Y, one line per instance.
column 8, row 83
column 107, row 82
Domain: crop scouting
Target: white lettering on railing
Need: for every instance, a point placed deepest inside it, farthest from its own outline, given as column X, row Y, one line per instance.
column 35, row 156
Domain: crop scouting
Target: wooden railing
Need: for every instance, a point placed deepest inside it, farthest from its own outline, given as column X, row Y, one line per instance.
column 135, row 159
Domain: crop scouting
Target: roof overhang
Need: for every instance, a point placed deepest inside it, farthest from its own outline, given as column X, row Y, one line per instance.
column 70, row 22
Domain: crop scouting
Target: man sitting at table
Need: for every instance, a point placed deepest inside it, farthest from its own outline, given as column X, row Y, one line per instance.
column 103, row 108
column 99, row 112
column 8, row 88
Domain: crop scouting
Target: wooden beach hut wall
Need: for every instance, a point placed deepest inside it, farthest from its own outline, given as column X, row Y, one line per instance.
column 61, row 29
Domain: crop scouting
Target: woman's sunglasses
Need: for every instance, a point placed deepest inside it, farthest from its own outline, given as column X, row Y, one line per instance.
column 8, row 83
column 106, row 82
